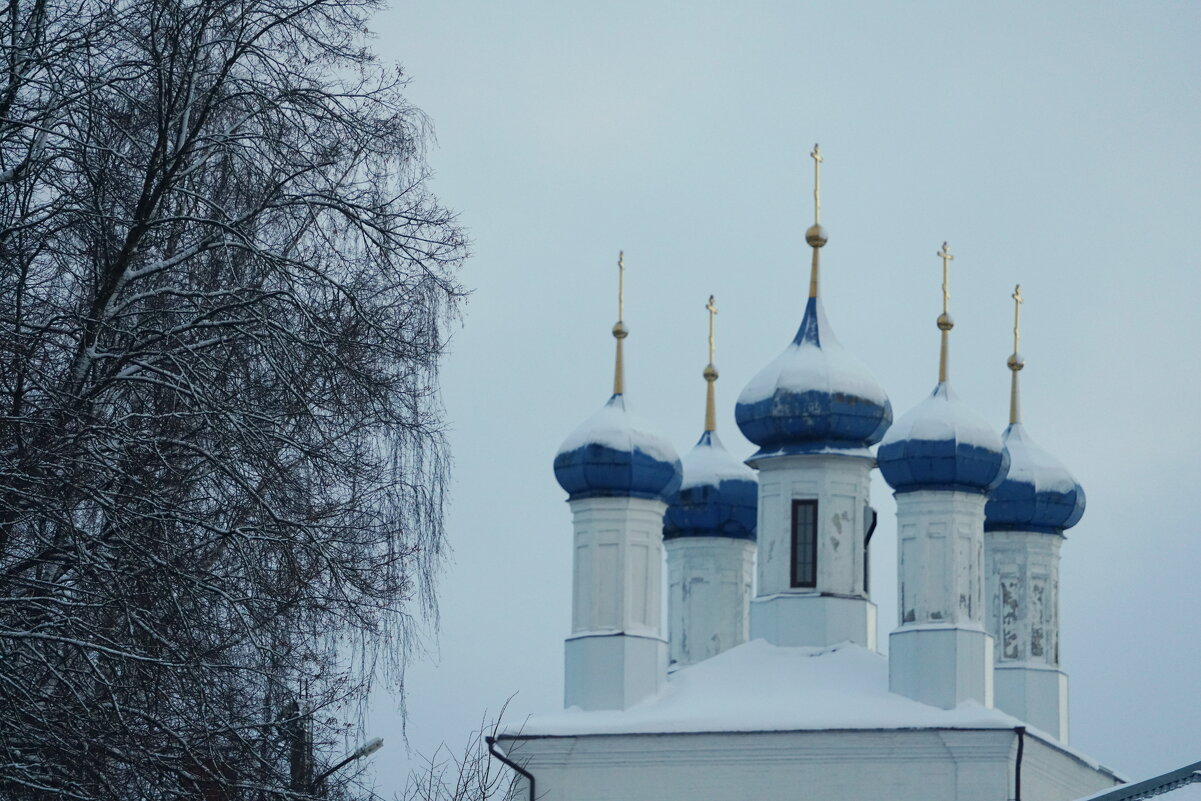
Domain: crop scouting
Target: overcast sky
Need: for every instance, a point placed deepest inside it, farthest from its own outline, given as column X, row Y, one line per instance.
column 1056, row 146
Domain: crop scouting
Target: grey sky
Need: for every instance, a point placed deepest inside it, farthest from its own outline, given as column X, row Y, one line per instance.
column 1056, row 146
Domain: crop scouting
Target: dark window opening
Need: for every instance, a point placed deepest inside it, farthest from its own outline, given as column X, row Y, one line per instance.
column 869, row 522
column 804, row 543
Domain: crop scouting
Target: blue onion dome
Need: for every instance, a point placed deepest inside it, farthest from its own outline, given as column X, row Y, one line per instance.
column 718, row 497
column 614, row 454
column 814, row 397
column 942, row 444
column 1039, row 494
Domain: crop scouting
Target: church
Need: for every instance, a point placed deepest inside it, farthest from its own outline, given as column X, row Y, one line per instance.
column 764, row 680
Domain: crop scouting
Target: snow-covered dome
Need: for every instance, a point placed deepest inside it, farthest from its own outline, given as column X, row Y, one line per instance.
column 942, row 444
column 718, row 497
column 616, row 454
column 813, row 396
column 1039, row 494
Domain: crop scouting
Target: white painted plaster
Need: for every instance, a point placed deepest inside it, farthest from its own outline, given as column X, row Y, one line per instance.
column 792, row 619
column 1022, row 570
column 1037, row 695
column 617, row 653
column 940, row 653
column 869, row 765
column 788, row 615
column 710, row 580
column 942, row 665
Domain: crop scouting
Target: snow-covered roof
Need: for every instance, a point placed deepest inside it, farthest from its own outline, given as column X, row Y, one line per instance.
column 762, row 687
column 709, row 463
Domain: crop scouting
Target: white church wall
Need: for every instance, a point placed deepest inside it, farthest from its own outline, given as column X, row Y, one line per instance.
column 903, row 765
column 940, row 653
column 788, row 615
column 710, row 580
column 1022, row 571
column 617, row 653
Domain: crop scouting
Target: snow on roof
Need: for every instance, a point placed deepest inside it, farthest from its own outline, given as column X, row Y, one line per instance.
column 942, row 416
column 815, row 360
column 709, row 463
column 1031, row 464
column 614, row 427
column 761, row 687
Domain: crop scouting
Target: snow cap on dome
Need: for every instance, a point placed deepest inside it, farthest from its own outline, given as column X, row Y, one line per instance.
column 1038, row 494
column 942, row 444
column 616, row 454
column 814, row 397
column 718, row 497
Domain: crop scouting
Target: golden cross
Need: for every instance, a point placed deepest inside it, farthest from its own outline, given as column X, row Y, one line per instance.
column 621, row 285
column 947, row 258
column 817, row 184
column 712, row 307
column 1017, row 315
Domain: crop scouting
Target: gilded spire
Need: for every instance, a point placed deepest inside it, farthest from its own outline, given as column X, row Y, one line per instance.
column 1015, row 362
column 710, row 373
column 945, row 323
column 620, row 331
column 816, row 235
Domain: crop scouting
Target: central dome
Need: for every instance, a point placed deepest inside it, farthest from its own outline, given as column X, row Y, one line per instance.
column 814, row 396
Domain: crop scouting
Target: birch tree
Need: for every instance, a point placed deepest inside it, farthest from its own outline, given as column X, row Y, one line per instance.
column 223, row 292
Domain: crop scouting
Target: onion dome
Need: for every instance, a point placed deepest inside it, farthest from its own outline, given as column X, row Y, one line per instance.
column 1039, row 494
column 814, row 397
column 719, row 495
column 616, row 454
column 942, row 444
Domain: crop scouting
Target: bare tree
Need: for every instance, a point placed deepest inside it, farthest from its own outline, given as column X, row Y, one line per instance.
column 223, row 286
column 470, row 774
